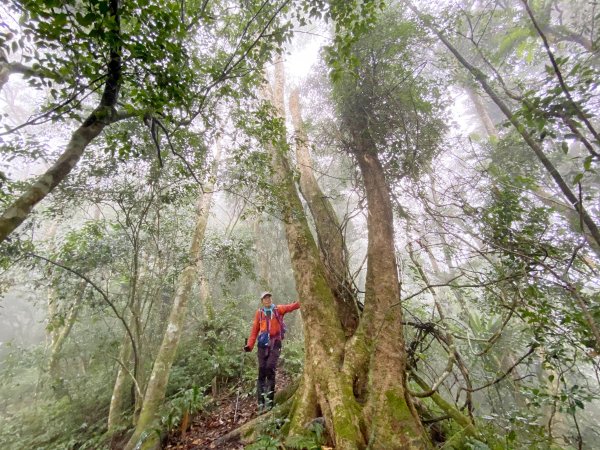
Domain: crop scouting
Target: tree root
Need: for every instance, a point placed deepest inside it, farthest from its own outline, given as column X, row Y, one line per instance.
column 464, row 421
column 248, row 432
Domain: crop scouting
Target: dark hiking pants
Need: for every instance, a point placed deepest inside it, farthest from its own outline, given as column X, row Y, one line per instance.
column 267, row 365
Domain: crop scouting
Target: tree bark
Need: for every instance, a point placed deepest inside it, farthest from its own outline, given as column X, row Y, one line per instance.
column 204, row 205
column 389, row 410
column 60, row 335
column 122, row 385
column 323, row 389
column 385, row 418
column 482, row 112
column 332, row 245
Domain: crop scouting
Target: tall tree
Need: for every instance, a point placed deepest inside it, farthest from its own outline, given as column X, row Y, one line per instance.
column 323, row 387
column 366, row 402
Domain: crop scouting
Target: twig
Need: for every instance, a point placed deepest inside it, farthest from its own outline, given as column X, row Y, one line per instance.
column 560, row 78
column 505, row 374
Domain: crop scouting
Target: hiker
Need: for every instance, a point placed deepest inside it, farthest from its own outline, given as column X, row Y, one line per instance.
column 268, row 331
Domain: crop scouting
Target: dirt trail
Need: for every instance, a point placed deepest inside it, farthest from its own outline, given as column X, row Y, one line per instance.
column 210, row 425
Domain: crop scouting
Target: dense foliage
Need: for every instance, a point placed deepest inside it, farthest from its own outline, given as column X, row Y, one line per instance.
column 483, row 116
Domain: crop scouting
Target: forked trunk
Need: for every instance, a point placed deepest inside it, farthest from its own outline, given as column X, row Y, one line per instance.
column 332, row 245
column 324, row 390
column 358, row 388
column 389, row 411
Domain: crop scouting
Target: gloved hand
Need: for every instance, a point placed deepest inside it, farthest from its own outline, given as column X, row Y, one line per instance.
column 247, row 349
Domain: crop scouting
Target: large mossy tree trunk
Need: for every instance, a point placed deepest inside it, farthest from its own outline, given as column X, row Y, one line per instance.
column 332, row 245
column 324, row 390
column 388, row 409
column 358, row 386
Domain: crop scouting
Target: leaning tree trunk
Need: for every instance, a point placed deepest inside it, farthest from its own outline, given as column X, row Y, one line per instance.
column 537, row 149
column 332, row 245
column 324, row 389
column 572, row 217
column 208, row 307
column 104, row 114
column 586, row 219
column 143, row 437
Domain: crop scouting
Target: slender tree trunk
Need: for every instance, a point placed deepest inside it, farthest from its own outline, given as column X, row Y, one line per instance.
column 332, row 245
column 208, row 308
column 204, row 205
column 136, row 324
column 60, row 335
column 122, row 386
column 155, row 392
column 265, row 277
column 482, row 111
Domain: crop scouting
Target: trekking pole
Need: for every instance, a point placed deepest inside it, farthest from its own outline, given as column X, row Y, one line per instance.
column 239, row 389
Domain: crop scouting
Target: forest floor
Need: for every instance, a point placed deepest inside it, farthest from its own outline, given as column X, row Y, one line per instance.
column 210, row 425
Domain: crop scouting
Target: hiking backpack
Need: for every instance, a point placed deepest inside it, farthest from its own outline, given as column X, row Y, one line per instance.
column 265, row 336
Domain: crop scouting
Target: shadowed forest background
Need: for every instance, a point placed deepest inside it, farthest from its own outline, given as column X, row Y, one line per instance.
column 422, row 176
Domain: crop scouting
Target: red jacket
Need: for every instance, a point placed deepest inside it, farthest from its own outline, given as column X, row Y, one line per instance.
column 260, row 323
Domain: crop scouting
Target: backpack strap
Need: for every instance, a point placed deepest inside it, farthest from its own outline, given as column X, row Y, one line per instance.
column 261, row 313
column 279, row 318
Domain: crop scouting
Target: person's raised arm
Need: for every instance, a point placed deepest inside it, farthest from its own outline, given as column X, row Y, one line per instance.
column 284, row 309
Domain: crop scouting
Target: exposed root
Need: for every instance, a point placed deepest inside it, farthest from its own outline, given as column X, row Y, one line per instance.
column 248, row 432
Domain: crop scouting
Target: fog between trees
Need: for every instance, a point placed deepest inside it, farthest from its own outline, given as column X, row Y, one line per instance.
column 427, row 190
